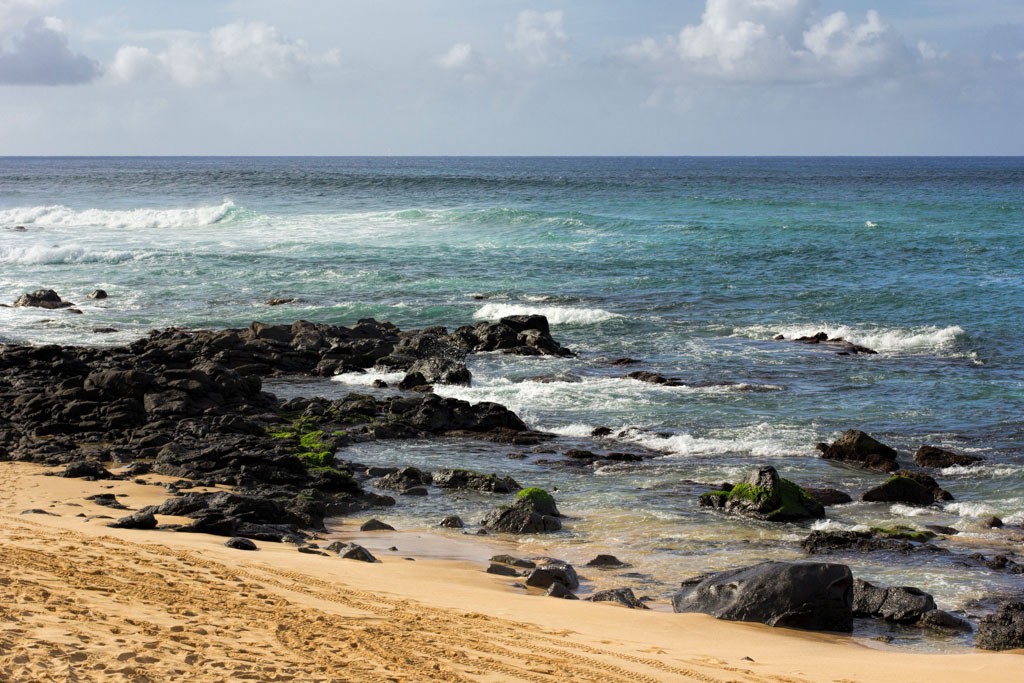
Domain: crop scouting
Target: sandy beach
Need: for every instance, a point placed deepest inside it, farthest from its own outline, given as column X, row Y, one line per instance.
column 83, row 602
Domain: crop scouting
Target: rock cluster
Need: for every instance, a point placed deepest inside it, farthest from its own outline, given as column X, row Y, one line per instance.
column 190, row 404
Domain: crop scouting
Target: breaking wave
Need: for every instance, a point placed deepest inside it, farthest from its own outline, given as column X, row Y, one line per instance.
column 63, row 216
column 885, row 340
column 556, row 315
column 40, row 255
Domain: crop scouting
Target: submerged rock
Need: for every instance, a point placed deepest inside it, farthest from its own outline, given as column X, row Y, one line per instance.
column 858, row 447
column 765, row 495
column 810, row 596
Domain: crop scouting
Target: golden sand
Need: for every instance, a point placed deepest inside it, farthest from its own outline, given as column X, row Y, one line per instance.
column 83, row 602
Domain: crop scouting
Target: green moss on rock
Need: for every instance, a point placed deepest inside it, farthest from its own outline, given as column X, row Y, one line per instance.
column 542, row 501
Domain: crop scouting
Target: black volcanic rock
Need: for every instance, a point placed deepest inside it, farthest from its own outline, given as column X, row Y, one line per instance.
column 811, row 596
column 858, row 447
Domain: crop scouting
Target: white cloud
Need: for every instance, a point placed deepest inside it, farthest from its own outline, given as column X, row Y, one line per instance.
column 464, row 61
column 538, row 37
column 34, row 47
column 772, row 41
column 236, row 52
column 460, row 56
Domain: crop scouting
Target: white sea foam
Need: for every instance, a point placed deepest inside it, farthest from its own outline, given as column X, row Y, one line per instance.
column 885, row 340
column 62, row 216
column 556, row 315
column 365, row 379
column 901, row 510
column 869, row 224
column 980, row 470
column 576, row 429
column 763, row 440
column 969, row 509
column 39, row 255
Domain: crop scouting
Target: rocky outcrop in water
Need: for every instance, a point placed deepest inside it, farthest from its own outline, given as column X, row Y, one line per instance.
column 810, row 596
column 842, row 347
column 912, row 488
column 932, row 456
column 468, row 479
column 533, row 512
column 855, row 446
column 42, row 298
column 765, row 495
column 190, row 404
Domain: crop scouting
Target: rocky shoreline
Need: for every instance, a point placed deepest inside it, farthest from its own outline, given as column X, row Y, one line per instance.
column 190, row 404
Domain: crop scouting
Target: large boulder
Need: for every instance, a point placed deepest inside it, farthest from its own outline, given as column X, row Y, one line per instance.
column 765, row 495
column 533, row 512
column 1003, row 630
column 812, row 596
column 858, row 447
column 932, row 456
column 898, row 604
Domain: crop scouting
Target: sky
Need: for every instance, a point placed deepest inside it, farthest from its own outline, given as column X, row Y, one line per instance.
column 501, row 77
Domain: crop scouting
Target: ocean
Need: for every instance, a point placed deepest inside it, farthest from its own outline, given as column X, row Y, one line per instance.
column 690, row 265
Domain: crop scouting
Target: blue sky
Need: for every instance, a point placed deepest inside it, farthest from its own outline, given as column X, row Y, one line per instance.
column 700, row 77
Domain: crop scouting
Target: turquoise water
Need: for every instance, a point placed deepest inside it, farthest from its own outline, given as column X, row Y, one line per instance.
column 690, row 264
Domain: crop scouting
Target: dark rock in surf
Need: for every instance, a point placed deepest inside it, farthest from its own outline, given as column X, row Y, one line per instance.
column 534, row 511
column 932, row 456
column 765, row 495
column 452, row 522
column 403, row 480
column 468, row 479
column 42, row 298
column 898, row 604
column 858, row 447
column 913, row 488
column 810, row 596
column 98, row 294
column 607, row 562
